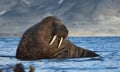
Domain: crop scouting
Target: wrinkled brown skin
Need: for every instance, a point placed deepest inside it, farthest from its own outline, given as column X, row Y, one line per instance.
column 34, row 44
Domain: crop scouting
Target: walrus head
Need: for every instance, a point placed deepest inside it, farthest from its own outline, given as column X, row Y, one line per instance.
column 56, row 29
column 59, row 31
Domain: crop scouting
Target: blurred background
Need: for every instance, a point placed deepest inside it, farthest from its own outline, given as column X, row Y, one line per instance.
column 82, row 17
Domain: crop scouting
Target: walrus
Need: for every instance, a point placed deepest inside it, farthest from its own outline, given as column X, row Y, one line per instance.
column 47, row 40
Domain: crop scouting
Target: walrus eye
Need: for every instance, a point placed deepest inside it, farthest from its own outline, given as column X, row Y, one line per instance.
column 60, row 42
column 55, row 36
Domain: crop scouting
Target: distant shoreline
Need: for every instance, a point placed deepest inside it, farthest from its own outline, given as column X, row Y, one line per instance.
column 10, row 35
column 20, row 35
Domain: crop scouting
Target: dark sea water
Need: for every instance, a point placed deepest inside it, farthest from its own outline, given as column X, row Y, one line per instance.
column 107, row 47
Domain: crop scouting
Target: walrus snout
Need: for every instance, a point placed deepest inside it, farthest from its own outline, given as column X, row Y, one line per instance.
column 60, row 32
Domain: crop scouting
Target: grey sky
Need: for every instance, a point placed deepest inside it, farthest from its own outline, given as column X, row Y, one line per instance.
column 82, row 17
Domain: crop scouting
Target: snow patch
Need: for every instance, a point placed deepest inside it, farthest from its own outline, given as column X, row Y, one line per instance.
column 3, row 12
column 60, row 1
column 27, row 2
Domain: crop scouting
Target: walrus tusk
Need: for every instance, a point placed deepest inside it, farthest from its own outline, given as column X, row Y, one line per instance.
column 60, row 42
column 53, row 39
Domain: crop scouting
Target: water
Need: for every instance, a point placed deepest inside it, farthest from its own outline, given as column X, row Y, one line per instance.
column 107, row 47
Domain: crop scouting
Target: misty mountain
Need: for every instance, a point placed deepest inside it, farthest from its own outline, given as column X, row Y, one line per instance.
column 82, row 17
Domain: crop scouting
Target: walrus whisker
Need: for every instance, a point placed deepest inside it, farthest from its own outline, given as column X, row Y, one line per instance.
column 55, row 36
column 60, row 42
